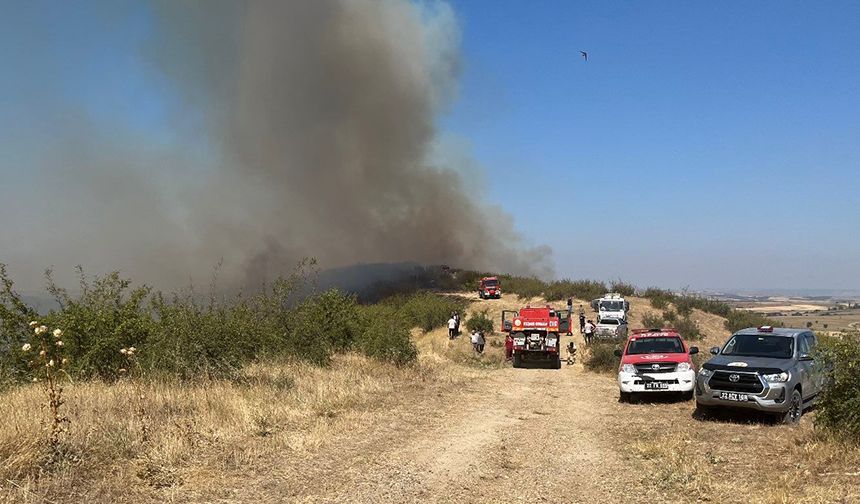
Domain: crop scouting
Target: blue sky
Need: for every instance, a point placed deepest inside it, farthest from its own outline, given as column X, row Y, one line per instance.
column 709, row 144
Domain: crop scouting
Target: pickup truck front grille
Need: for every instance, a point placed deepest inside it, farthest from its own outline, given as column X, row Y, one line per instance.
column 656, row 367
column 736, row 382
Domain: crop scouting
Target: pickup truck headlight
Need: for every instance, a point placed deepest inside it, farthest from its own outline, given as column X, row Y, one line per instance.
column 683, row 366
column 628, row 368
column 777, row 377
column 705, row 372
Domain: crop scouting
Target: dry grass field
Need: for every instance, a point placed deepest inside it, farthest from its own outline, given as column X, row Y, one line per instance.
column 455, row 427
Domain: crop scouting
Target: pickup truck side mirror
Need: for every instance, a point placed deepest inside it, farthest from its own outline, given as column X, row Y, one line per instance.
column 617, row 352
column 805, row 357
column 694, row 350
column 715, row 350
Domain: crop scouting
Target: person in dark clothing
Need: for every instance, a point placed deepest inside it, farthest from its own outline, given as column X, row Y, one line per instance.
column 581, row 320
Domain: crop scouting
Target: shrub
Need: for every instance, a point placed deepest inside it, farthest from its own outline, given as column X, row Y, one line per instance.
column 601, row 358
column 480, row 322
column 387, row 337
column 427, row 310
column 524, row 287
column 839, row 403
column 651, row 321
column 688, row 329
column 670, row 316
column 740, row 319
column 623, row 288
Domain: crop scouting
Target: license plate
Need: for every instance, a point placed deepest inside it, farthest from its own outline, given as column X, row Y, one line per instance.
column 656, row 386
column 732, row 396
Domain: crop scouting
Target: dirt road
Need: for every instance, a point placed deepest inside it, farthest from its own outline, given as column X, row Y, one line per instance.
column 516, row 435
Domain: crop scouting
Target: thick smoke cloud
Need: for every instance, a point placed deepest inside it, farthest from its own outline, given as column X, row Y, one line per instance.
column 312, row 124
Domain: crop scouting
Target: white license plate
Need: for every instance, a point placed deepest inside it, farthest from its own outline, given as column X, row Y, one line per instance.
column 656, row 386
column 519, row 341
column 733, row 396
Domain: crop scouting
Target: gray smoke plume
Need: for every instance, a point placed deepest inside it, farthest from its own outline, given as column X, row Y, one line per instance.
column 312, row 124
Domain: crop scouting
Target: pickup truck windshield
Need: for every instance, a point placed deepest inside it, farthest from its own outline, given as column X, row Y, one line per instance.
column 655, row 345
column 612, row 305
column 491, row 283
column 756, row 345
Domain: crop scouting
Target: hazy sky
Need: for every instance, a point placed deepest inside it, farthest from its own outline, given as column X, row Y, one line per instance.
column 708, row 144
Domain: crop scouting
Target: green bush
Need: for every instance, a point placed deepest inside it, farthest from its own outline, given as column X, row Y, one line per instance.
column 427, row 310
column 670, row 316
column 480, row 322
column 524, row 287
column 740, row 319
column 651, row 321
column 623, row 288
column 387, row 337
column 600, row 357
column 688, row 329
column 838, row 410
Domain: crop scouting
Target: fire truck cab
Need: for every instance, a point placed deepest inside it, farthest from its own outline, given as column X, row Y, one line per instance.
column 536, row 332
column 489, row 287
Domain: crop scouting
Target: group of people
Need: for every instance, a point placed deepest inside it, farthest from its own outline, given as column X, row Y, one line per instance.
column 477, row 337
column 454, row 325
column 586, row 327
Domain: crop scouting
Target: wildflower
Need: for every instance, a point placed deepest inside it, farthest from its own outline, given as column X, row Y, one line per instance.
column 35, row 380
column 26, row 347
column 40, row 330
column 132, row 349
column 51, row 363
column 59, row 342
column 33, row 323
column 65, row 361
column 42, row 353
column 123, row 351
column 58, row 333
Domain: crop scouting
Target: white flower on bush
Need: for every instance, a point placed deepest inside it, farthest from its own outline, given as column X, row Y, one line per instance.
column 41, row 330
column 59, row 342
column 41, row 353
column 65, row 361
column 123, row 351
column 51, row 362
column 26, row 347
column 58, row 333
column 33, row 323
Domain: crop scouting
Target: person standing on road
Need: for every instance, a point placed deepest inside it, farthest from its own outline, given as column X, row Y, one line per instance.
column 452, row 327
column 589, row 332
column 569, row 316
column 581, row 320
column 456, row 324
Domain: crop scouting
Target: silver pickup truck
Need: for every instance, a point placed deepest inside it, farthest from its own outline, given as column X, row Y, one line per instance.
column 766, row 369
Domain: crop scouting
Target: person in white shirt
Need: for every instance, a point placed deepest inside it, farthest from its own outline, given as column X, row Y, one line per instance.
column 452, row 328
column 478, row 341
column 589, row 332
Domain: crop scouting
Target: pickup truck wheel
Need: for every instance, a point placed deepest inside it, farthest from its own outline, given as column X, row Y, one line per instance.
column 518, row 360
column 795, row 409
column 624, row 397
column 686, row 396
column 557, row 363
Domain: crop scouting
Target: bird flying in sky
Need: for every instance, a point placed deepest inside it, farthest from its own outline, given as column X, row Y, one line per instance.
column 584, row 55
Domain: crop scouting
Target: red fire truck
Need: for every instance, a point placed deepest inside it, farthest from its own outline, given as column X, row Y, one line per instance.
column 536, row 333
column 489, row 287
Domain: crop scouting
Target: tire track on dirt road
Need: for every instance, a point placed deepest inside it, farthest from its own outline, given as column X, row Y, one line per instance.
column 522, row 435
